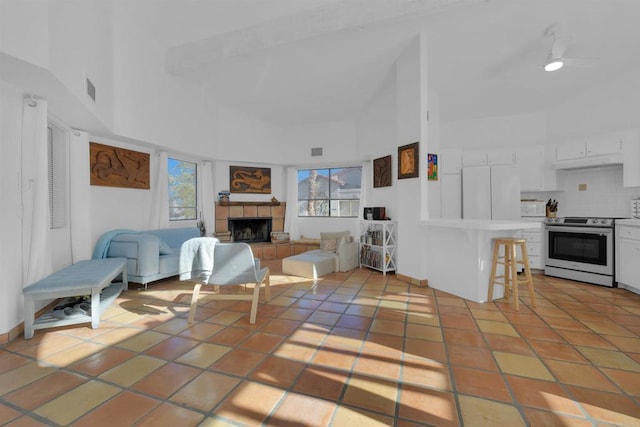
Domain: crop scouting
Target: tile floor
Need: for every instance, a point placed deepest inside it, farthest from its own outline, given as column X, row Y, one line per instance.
column 354, row 349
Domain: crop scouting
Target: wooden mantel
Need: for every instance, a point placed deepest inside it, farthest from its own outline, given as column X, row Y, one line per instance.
column 249, row 203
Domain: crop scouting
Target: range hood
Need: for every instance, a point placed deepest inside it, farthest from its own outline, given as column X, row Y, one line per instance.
column 589, row 162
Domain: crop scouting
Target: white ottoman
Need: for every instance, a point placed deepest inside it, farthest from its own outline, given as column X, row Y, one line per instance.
column 307, row 265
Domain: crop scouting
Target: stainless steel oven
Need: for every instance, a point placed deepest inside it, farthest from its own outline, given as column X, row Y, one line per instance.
column 580, row 249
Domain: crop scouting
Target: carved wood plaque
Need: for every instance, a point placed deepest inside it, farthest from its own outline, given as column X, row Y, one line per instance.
column 244, row 179
column 118, row 167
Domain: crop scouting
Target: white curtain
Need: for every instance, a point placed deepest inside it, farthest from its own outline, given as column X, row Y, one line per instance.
column 366, row 184
column 208, row 198
column 36, row 246
column 159, row 215
column 79, row 196
column 291, row 225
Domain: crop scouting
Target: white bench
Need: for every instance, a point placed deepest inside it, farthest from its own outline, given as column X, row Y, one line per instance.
column 308, row 265
column 88, row 277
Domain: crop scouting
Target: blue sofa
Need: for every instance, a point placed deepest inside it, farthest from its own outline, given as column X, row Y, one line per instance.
column 151, row 255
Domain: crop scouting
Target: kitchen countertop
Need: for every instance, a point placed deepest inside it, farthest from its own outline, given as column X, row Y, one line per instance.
column 480, row 224
column 629, row 221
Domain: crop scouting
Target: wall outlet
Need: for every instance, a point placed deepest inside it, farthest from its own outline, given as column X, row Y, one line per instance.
column 582, row 187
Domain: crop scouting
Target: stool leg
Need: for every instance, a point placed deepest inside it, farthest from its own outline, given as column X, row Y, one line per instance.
column 513, row 265
column 494, row 266
column 527, row 272
column 507, row 272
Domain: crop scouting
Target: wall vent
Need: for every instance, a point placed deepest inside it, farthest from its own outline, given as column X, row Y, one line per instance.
column 315, row 152
column 91, row 90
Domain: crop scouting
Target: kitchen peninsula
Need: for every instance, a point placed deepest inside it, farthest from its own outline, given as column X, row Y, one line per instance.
column 459, row 251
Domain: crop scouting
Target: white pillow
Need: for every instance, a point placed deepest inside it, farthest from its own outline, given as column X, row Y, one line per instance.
column 329, row 245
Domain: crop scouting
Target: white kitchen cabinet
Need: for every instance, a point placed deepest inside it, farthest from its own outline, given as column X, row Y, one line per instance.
column 474, row 158
column 628, row 254
column 603, row 146
column 630, row 159
column 500, row 157
column 530, row 162
column 535, row 169
column 571, row 151
column 450, row 161
column 491, row 157
column 451, row 195
column 535, row 242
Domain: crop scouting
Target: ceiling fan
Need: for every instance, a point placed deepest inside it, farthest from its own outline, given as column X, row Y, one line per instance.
column 556, row 59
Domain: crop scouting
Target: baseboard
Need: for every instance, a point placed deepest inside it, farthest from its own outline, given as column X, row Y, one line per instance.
column 416, row 282
column 18, row 330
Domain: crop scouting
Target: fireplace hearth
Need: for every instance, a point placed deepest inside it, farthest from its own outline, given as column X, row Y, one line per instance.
column 250, row 229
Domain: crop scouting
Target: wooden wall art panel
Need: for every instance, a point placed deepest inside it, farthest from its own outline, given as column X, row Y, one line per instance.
column 382, row 172
column 118, row 167
column 246, row 179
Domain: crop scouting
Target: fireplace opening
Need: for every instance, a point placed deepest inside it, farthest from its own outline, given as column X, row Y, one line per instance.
column 250, row 230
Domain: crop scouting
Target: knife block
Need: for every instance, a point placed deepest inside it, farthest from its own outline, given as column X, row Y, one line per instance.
column 550, row 213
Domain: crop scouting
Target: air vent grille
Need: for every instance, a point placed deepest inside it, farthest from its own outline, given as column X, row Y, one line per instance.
column 91, row 90
column 316, row 152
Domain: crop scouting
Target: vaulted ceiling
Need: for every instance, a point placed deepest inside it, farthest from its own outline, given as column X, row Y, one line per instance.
column 301, row 61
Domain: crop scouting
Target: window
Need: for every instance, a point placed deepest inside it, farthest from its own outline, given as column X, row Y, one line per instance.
column 329, row 192
column 182, row 190
column 57, row 170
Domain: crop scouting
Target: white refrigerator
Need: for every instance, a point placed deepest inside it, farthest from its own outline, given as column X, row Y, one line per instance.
column 491, row 192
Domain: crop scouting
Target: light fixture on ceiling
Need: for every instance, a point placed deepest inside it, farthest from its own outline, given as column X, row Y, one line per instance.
column 554, row 64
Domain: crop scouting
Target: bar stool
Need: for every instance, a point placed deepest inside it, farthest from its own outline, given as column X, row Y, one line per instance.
column 510, row 262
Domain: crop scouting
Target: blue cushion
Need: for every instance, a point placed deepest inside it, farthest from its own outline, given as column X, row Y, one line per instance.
column 165, row 249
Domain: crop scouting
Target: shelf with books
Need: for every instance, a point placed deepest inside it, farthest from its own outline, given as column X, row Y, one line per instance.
column 378, row 245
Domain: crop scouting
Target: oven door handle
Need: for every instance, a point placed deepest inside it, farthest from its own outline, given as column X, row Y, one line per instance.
column 582, row 230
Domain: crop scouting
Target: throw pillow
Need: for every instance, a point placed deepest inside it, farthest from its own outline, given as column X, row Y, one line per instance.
column 165, row 249
column 329, row 245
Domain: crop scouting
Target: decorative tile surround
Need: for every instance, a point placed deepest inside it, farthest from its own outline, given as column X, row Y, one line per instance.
column 266, row 250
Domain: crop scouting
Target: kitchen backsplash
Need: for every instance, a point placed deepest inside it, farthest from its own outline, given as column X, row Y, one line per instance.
column 603, row 194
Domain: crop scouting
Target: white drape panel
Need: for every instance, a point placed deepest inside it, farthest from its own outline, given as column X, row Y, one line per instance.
column 366, row 184
column 291, row 225
column 79, row 196
column 208, row 198
column 36, row 246
column 159, row 213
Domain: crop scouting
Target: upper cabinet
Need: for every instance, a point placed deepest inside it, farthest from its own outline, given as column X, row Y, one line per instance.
column 604, row 145
column 493, row 157
column 600, row 146
column 571, row 151
column 474, row 158
column 616, row 148
column 450, row 161
column 590, row 152
column 533, row 166
column 501, row 157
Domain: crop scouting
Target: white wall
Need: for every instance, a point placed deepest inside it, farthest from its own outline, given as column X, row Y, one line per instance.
column 151, row 105
column 503, row 131
column 377, row 136
column 24, row 30
column 11, row 303
column 410, row 113
column 611, row 106
column 115, row 207
column 80, row 46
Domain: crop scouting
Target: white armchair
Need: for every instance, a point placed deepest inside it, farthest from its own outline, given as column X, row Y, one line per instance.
column 341, row 247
